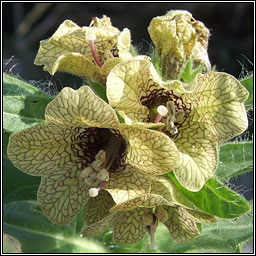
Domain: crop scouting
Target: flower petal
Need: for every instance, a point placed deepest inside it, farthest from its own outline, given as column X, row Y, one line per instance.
column 69, row 38
column 166, row 188
column 218, row 100
column 52, row 48
column 68, row 50
column 201, row 216
column 128, row 226
column 124, row 44
column 81, row 108
column 107, row 67
column 62, row 195
column 198, row 154
column 180, row 224
column 133, row 82
column 123, row 89
column 77, row 64
column 143, row 200
column 97, row 208
column 149, row 150
column 133, row 123
column 100, row 226
column 47, row 148
column 127, row 184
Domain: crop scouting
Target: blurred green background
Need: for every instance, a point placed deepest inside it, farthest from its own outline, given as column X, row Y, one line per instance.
column 25, row 24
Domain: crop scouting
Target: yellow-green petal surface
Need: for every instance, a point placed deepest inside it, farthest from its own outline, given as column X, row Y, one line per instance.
column 68, row 50
column 198, row 151
column 127, row 183
column 166, row 188
column 217, row 113
column 128, row 226
column 180, row 224
column 149, row 150
column 218, row 100
column 80, row 107
column 143, row 200
column 46, row 148
column 62, row 196
column 132, row 82
column 77, row 64
column 97, row 208
column 100, row 226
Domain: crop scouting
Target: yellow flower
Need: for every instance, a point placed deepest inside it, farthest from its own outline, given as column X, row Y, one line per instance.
column 196, row 117
column 77, row 146
column 136, row 214
column 178, row 37
column 85, row 51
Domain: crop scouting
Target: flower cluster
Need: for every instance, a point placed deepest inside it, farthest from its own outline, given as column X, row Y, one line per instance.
column 111, row 158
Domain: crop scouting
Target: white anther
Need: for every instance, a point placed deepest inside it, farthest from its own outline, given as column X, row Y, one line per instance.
column 162, row 110
column 90, row 36
column 93, row 192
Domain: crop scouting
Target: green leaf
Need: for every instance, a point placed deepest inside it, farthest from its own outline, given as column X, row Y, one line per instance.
column 188, row 73
column 18, row 185
column 248, row 84
column 25, row 221
column 216, row 199
column 15, row 86
column 100, row 90
column 23, row 104
column 235, row 159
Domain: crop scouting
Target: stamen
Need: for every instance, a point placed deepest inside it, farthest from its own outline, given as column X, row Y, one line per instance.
column 170, row 125
column 171, row 108
column 93, row 192
column 161, row 214
column 91, row 37
column 179, row 116
column 103, row 175
column 162, row 111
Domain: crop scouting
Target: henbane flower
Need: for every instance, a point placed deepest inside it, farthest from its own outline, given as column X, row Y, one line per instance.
column 136, row 214
column 178, row 37
column 85, row 51
column 78, row 145
column 196, row 116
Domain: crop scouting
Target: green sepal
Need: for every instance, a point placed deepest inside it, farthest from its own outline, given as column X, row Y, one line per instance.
column 99, row 89
column 188, row 73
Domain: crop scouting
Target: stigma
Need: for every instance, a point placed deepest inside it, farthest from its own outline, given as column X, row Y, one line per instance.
column 91, row 37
